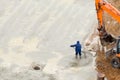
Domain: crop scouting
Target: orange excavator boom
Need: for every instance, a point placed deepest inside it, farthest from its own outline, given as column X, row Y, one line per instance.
column 106, row 38
column 102, row 6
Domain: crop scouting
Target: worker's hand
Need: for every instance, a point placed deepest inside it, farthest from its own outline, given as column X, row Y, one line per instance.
column 71, row 46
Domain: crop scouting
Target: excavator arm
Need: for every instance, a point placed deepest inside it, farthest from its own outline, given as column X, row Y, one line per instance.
column 106, row 38
column 102, row 6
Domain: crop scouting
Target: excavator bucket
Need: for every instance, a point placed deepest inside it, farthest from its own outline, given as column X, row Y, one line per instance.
column 105, row 38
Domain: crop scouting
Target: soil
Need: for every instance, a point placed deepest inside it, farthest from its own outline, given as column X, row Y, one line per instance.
column 103, row 63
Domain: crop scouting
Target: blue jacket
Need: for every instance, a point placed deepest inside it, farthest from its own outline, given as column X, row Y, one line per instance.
column 77, row 47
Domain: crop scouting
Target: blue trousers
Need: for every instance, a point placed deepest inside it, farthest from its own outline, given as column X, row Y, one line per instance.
column 78, row 53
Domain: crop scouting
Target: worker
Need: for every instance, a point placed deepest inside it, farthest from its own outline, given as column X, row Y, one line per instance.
column 77, row 49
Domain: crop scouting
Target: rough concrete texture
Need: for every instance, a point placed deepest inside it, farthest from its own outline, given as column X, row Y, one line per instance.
column 40, row 32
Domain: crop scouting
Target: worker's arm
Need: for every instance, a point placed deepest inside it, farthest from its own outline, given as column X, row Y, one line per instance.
column 73, row 45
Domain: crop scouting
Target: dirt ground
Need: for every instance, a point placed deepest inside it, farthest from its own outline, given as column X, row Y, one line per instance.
column 103, row 64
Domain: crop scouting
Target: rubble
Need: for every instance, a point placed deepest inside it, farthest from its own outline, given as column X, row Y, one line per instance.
column 104, row 64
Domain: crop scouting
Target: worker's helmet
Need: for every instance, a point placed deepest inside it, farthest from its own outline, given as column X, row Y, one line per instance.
column 78, row 42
